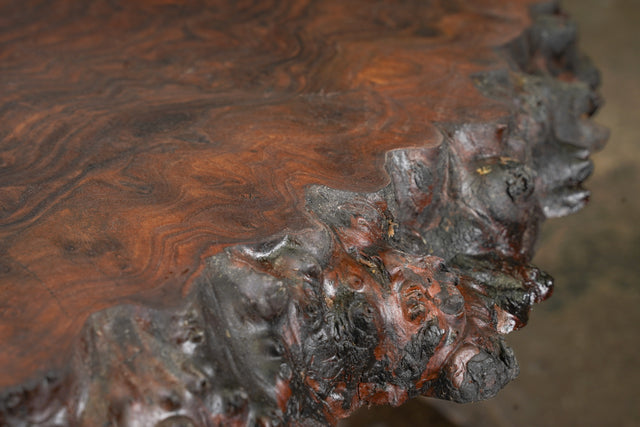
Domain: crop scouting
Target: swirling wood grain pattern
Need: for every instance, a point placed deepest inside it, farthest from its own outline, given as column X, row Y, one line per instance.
column 138, row 138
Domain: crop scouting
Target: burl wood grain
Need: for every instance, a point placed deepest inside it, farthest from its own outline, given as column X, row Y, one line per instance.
column 138, row 138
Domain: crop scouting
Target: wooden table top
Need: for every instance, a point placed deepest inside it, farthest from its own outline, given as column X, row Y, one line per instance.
column 138, row 138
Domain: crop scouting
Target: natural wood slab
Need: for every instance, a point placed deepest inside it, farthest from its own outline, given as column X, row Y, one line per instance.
column 140, row 138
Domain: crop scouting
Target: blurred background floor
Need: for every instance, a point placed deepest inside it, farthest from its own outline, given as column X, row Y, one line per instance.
column 580, row 354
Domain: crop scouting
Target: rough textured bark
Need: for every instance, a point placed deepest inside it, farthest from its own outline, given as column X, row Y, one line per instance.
column 263, row 212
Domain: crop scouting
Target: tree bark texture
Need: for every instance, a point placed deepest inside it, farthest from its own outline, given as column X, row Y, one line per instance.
column 264, row 212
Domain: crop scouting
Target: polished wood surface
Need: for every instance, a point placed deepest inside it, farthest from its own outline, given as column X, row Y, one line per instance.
column 140, row 136
column 292, row 209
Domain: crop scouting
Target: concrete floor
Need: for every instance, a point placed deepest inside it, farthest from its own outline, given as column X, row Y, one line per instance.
column 580, row 353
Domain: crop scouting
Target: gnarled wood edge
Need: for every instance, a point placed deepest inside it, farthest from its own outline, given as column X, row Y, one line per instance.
column 404, row 291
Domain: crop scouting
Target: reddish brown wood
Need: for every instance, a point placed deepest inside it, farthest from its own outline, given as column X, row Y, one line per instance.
column 385, row 139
